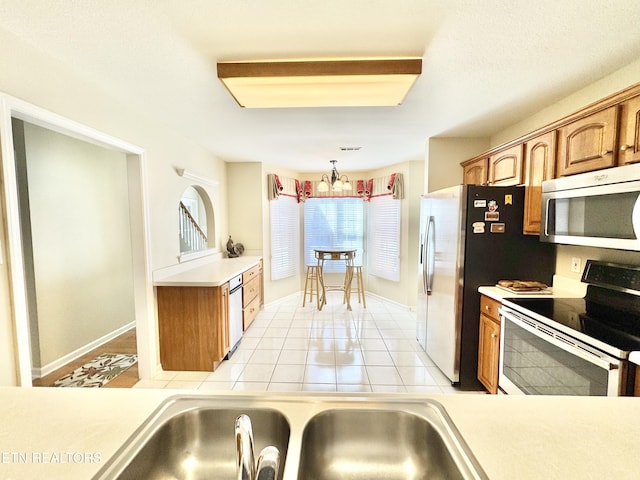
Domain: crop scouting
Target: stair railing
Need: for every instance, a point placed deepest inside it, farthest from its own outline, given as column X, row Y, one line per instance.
column 191, row 235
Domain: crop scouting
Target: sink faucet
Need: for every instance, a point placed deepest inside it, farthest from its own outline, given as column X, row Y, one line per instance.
column 246, row 467
column 268, row 461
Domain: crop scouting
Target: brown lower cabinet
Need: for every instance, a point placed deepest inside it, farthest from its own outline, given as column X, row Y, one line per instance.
column 251, row 294
column 489, row 344
column 193, row 327
column 193, row 322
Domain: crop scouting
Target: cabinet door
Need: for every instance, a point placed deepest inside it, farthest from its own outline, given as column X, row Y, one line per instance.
column 489, row 353
column 539, row 165
column 224, row 339
column 589, row 143
column 505, row 167
column 475, row 173
column 630, row 132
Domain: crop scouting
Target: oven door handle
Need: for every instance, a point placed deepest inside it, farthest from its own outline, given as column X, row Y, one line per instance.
column 564, row 342
column 635, row 218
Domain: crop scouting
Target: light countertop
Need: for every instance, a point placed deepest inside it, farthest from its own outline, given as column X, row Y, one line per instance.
column 562, row 288
column 210, row 274
column 58, row 433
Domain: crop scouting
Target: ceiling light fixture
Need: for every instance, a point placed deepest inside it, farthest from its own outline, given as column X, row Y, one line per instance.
column 323, row 83
column 338, row 182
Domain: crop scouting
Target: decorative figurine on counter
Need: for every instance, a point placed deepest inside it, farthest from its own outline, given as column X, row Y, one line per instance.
column 234, row 250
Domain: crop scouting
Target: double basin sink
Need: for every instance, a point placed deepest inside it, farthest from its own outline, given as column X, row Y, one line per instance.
column 192, row 437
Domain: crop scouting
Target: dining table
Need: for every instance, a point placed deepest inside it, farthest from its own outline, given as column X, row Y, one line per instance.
column 331, row 254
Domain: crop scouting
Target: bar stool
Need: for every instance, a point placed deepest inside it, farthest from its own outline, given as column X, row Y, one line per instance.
column 356, row 274
column 311, row 284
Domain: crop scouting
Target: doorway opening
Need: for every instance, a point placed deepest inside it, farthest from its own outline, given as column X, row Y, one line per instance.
column 68, row 273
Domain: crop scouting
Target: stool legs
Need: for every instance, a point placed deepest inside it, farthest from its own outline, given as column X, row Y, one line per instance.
column 360, row 282
column 355, row 273
column 311, row 284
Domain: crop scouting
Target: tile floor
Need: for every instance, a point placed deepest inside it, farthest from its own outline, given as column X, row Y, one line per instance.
column 293, row 348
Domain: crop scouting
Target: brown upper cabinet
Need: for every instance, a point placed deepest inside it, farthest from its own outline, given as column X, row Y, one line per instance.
column 629, row 151
column 602, row 135
column 539, row 165
column 505, row 167
column 588, row 144
column 475, row 172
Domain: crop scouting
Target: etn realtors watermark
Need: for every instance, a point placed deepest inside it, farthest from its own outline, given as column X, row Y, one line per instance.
column 10, row 457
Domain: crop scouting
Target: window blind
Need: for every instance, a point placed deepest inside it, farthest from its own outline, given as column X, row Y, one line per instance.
column 384, row 237
column 333, row 223
column 285, row 237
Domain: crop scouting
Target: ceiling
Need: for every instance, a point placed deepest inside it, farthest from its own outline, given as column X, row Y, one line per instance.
column 486, row 65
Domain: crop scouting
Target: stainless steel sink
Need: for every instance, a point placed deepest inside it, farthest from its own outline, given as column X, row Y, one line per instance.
column 193, row 442
column 320, row 437
column 375, row 444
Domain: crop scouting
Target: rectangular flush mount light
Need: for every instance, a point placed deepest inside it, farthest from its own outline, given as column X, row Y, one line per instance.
column 325, row 83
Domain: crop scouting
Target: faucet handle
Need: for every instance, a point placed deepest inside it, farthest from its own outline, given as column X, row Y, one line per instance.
column 245, row 463
column 268, row 463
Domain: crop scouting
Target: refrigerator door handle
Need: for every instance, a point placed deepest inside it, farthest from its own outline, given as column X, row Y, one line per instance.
column 423, row 257
column 431, row 257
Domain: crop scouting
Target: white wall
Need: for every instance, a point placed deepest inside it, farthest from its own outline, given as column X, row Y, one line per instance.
column 33, row 77
column 81, row 240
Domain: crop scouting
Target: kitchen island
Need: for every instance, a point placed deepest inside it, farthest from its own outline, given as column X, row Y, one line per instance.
column 70, row 433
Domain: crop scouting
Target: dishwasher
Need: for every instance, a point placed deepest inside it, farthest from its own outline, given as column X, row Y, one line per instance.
column 235, row 313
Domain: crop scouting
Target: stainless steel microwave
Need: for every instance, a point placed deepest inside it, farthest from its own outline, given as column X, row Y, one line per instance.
column 598, row 209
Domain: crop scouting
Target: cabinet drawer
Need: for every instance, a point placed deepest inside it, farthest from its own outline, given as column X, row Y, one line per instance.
column 249, row 313
column 489, row 307
column 250, row 291
column 250, row 274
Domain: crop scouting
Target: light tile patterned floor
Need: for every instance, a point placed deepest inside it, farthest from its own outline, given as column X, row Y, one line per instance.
column 293, row 348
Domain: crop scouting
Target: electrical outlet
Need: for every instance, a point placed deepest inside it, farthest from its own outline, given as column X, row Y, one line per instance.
column 575, row 264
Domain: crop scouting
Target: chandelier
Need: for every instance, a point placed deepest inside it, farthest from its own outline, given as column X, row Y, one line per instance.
column 338, row 182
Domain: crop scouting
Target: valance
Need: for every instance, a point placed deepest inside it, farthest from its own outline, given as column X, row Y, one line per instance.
column 277, row 186
column 364, row 188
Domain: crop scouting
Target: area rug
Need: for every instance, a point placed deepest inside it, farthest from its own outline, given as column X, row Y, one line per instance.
column 98, row 371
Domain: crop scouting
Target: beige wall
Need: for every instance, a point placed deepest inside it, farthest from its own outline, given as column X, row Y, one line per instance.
column 53, row 85
column 623, row 78
column 249, row 218
column 245, row 206
column 405, row 291
column 444, row 155
column 81, row 241
column 286, row 286
column 611, row 84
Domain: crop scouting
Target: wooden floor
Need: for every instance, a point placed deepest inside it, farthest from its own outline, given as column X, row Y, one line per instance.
column 125, row 343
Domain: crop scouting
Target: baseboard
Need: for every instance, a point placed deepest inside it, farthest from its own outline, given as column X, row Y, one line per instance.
column 283, row 299
column 50, row 367
column 404, row 306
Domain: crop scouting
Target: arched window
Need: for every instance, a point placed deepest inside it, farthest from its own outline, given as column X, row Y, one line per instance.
column 196, row 226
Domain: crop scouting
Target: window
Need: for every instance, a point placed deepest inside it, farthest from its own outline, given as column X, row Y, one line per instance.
column 384, row 241
column 333, row 223
column 285, row 237
column 195, row 222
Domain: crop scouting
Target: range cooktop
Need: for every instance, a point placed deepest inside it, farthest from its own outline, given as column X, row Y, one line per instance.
column 604, row 322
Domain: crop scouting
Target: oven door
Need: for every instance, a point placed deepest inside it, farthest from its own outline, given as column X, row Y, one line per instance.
column 536, row 359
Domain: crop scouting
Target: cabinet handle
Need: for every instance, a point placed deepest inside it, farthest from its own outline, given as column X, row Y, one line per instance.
column 624, row 148
column 494, row 335
column 606, row 152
